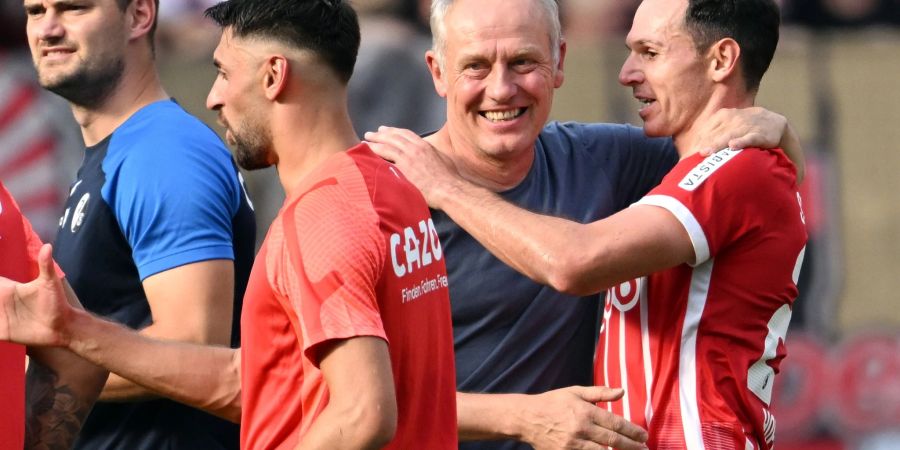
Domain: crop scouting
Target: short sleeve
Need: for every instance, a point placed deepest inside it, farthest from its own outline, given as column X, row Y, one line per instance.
column 331, row 267
column 720, row 198
column 174, row 199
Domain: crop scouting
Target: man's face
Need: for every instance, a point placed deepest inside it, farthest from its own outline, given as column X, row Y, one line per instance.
column 78, row 47
column 668, row 77
column 235, row 96
column 498, row 75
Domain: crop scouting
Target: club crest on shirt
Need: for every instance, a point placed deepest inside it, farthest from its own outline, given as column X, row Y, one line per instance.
column 78, row 215
column 626, row 295
column 707, row 167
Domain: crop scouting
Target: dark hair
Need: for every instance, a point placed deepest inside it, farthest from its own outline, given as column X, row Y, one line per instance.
column 753, row 24
column 329, row 28
column 123, row 5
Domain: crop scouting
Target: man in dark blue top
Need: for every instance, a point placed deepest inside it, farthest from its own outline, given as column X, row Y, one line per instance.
column 497, row 63
column 157, row 232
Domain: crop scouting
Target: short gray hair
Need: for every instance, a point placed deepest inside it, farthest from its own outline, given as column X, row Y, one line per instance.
column 439, row 10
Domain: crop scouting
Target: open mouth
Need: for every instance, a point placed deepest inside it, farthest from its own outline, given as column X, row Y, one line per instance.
column 503, row 116
column 645, row 102
column 57, row 52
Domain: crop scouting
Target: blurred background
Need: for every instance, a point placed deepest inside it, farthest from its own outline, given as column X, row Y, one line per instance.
column 835, row 76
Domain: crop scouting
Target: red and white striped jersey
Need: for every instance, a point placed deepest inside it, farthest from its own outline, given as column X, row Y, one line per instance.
column 696, row 347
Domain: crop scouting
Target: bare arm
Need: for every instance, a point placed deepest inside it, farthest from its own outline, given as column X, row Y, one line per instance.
column 563, row 418
column 362, row 406
column 38, row 314
column 570, row 257
column 190, row 303
column 60, row 389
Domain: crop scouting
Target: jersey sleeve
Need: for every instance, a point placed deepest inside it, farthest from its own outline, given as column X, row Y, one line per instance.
column 724, row 196
column 333, row 260
column 175, row 202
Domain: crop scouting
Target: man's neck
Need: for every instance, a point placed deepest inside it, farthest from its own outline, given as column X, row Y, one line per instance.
column 691, row 140
column 136, row 89
column 475, row 166
column 303, row 138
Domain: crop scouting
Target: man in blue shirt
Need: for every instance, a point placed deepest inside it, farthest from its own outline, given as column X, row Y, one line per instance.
column 157, row 232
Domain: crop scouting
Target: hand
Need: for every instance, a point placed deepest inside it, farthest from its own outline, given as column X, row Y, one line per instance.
column 422, row 164
column 35, row 313
column 568, row 418
column 742, row 128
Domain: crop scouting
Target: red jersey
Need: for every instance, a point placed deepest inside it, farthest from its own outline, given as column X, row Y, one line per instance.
column 696, row 346
column 19, row 247
column 353, row 252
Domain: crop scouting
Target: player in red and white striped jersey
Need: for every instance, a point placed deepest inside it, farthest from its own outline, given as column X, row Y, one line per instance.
column 696, row 343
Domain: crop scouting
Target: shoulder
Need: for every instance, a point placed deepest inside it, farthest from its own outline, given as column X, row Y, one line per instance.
column 162, row 145
column 165, row 131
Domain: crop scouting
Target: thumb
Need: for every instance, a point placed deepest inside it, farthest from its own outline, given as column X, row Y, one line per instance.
column 45, row 264
column 596, row 394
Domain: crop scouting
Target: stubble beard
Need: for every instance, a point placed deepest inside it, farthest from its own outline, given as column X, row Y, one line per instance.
column 252, row 146
column 89, row 85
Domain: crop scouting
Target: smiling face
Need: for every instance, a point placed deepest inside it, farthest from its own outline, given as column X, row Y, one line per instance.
column 669, row 78
column 498, row 76
column 235, row 94
column 78, row 47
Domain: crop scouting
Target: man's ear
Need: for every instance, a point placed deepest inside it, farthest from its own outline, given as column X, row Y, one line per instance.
column 437, row 73
column 724, row 57
column 140, row 16
column 276, row 76
column 559, row 77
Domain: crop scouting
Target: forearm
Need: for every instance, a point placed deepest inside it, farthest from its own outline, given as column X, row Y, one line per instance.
column 487, row 416
column 544, row 248
column 120, row 389
column 60, row 390
column 204, row 377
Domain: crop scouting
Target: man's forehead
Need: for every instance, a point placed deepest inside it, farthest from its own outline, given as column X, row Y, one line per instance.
column 656, row 21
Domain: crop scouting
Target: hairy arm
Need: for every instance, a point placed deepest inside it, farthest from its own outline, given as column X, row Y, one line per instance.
column 562, row 418
column 190, row 303
column 362, row 406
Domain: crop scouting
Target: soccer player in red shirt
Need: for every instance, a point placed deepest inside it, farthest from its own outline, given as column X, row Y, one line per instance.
column 696, row 343
column 346, row 332
column 47, row 406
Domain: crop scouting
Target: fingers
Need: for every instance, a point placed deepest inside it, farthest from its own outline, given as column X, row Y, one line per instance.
column 596, row 394
column 623, row 434
column 45, row 263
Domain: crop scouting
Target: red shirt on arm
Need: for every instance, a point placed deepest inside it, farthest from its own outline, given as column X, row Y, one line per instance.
column 19, row 247
column 696, row 347
column 352, row 253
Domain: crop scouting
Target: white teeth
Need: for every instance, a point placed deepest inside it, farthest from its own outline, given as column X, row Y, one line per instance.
column 499, row 116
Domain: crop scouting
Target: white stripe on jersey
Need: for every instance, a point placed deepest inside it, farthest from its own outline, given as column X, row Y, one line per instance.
column 688, row 221
column 645, row 347
column 687, row 363
column 623, row 368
